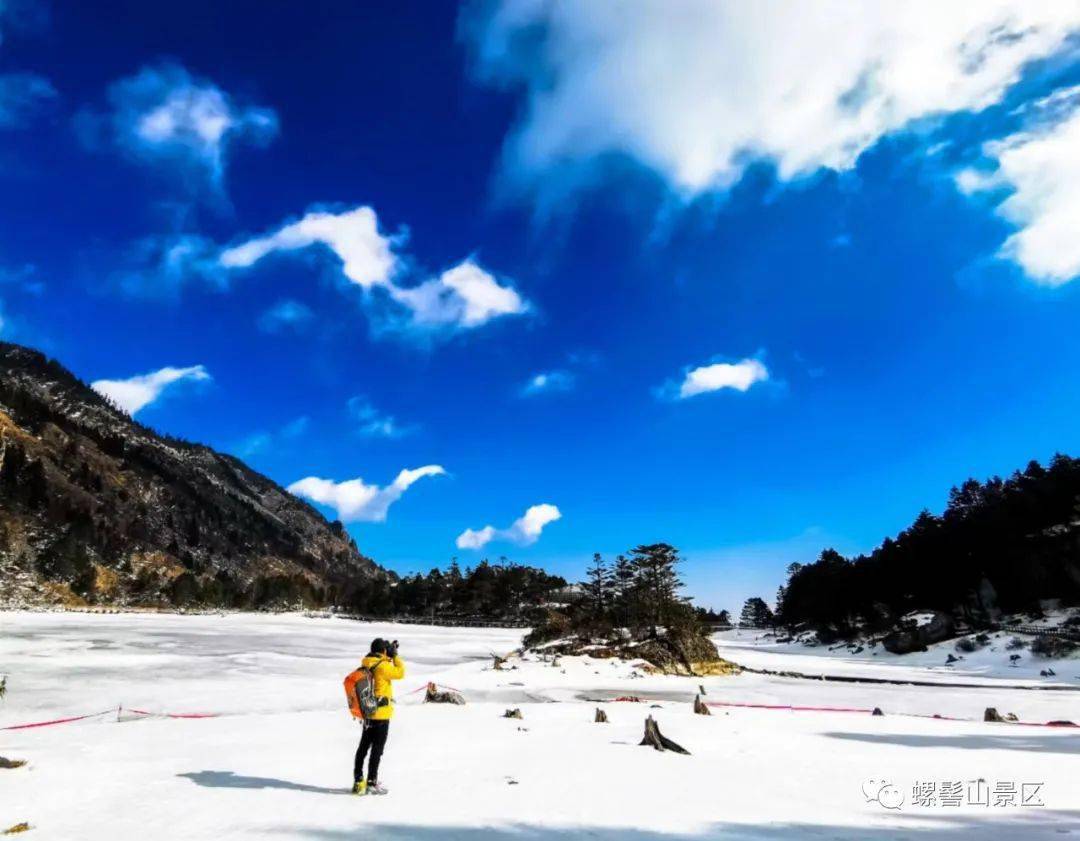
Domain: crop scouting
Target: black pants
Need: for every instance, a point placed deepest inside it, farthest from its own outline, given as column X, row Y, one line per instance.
column 374, row 739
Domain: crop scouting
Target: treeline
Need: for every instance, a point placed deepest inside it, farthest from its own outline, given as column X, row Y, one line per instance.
column 502, row 590
column 1000, row 544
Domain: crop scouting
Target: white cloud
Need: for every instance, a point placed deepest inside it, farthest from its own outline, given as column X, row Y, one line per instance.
column 356, row 501
column 699, row 90
column 367, row 256
column 548, row 381
column 163, row 114
column 524, row 531
column 374, row 423
column 137, row 393
column 739, row 376
column 22, row 95
column 463, row 297
column 1040, row 167
column 476, row 538
column 286, row 315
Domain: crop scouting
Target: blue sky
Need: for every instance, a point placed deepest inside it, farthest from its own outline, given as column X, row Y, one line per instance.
column 539, row 280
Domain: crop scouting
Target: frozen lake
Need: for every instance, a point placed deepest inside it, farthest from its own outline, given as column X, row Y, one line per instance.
column 276, row 760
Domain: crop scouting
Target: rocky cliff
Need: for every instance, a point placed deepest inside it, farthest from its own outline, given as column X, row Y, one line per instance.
column 96, row 508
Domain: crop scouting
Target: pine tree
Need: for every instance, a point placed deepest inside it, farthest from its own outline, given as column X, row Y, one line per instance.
column 622, row 583
column 657, row 581
column 781, row 593
column 598, row 587
column 756, row 614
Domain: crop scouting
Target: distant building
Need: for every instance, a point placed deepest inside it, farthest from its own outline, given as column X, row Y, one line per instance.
column 565, row 595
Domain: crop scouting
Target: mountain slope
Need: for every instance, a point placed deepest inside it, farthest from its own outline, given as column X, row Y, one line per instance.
column 96, row 507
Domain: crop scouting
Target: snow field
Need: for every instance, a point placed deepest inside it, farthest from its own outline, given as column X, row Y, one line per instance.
column 277, row 761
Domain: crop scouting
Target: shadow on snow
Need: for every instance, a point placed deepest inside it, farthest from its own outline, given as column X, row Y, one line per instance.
column 230, row 779
column 936, row 827
column 1027, row 742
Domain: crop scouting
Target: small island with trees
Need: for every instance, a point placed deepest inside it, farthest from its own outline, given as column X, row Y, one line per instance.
column 633, row 609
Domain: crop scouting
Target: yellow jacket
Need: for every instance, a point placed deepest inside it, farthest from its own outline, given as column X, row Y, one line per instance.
column 385, row 671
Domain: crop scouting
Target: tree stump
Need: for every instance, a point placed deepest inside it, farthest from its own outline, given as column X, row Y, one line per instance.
column 700, row 707
column 658, row 740
column 601, row 716
column 992, row 714
column 515, row 713
column 877, row 711
column 11, row 763
column 434, row 696
column 499, row 662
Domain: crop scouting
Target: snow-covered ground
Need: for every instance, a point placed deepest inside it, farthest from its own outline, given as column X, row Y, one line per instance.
column 276, row 762
column 993, row 661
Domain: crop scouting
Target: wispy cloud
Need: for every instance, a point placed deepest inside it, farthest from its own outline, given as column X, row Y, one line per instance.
column 737, row 376
column 463, row 297
column 286, row 315
column 524, row 531
column 260, row 442
column 136, row 393
column 165, row 117
column 356, row 501
column 22, row 97
column 160, row 266
column 547, row 382
column 24, row 279
column 374, row 423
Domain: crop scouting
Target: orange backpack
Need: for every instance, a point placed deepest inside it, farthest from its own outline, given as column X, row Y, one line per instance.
column 360, row 692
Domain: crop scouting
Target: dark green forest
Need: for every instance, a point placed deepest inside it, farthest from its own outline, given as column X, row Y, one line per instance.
column 502, row 590
column 1000, row 544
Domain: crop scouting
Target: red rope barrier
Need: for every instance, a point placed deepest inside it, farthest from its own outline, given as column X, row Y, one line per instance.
column 437, row 685
column 118, row 711
column 173, row 715
column 55, row 721
column 790, row 708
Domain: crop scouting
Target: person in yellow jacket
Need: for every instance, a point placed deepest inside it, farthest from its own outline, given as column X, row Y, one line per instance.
column 387, row 667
